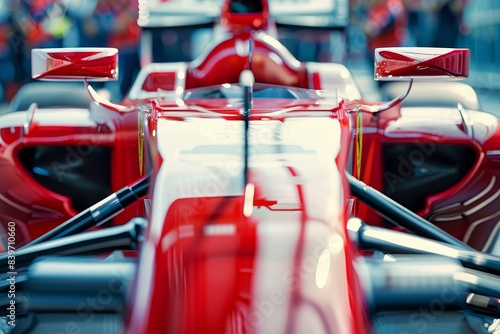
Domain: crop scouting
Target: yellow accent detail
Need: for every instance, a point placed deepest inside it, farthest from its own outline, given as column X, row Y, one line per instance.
column 140, row 141
column 359, row 142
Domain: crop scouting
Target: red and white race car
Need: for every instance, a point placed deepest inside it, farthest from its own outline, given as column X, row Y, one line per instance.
column 267, row 196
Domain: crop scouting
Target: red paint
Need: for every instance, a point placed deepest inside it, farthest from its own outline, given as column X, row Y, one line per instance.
column 156, row 81
column 452, row 62
column 83, row 64
column 209, row 261
column 35, row 208
column 241, row 22
column 205, row 266
column 316, row 81
column 224, row 63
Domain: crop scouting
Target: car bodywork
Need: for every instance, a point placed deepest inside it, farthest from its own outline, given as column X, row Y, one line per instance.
column 439, row 158
column 250, row 212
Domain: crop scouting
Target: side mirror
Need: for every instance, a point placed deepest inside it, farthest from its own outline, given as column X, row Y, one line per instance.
column 407, row 63
column 69, row 64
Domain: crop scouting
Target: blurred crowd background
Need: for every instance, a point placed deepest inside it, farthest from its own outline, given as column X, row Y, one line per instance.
column 28, row 24
column 473, row 24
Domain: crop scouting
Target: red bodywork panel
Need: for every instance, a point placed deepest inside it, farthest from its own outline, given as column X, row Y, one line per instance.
column 435, row 62
column 466, row 208
column 227, row 59
column 236, row 22
column 78, row 63
column 36, row 209
column 264, row 272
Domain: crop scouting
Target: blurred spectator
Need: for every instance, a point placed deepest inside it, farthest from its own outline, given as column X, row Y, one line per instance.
column 117, row 20
column 356, row 42
column 449, row 18
column 6, row 53
column 35, row 24
column 49, row 23
column 86, row 31
column 386, row 24
column 421, row 22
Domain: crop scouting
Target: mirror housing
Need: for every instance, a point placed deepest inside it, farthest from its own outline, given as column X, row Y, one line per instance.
column 71, row 64
column 417, row 63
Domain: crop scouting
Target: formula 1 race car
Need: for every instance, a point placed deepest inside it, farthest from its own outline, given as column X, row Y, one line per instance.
column 260, row 195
